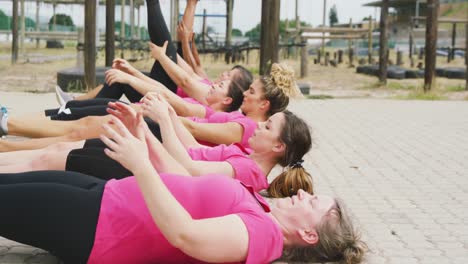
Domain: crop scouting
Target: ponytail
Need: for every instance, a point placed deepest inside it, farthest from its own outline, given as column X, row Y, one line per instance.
column 289, row 182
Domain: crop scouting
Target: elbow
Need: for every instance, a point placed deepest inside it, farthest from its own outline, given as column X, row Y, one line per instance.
column 181, row 239
column 185, row 82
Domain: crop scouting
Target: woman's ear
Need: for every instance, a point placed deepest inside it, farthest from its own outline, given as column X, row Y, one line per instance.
column 227, row 101
column 309, row 236
column 265, row 104
column 279, row 147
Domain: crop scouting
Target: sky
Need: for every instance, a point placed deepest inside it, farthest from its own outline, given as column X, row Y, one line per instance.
column 246, row 13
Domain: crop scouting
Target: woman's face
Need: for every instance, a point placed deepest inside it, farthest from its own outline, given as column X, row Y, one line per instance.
column 302, row 211
column 227, row 75
column 266, row 137
column 218, row 92
column 253, row 97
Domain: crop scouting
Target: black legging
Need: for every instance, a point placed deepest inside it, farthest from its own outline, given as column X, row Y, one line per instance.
column 159, row 33
column 79, row 109
column 92, row 160
column 53, row 210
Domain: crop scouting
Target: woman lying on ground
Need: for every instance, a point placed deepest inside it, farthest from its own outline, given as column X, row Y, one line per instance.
column 265, row 97
column 183, row 80
column 283, row 139
column 159, row 216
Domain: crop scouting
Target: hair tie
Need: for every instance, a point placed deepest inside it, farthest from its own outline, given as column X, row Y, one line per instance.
column 297, row 164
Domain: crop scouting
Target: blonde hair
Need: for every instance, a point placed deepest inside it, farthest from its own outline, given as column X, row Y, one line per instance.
column 289, row 182
column 278, row 86
column 338, row 240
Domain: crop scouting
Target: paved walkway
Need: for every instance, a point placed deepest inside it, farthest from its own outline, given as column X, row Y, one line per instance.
column 401, row 166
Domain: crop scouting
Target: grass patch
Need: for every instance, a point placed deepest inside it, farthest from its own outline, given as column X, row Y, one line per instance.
column 319, row 96
column 35, row 91
column 400, row 86
column 372, row 85
column 455, row 88
column 420, row 95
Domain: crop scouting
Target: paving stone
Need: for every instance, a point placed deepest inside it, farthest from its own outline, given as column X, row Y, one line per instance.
column 401, row 166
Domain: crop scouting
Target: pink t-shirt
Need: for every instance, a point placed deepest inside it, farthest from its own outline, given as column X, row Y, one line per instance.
column 180, row 92
column 246, row 170
column 225, row 117
column 127, row 234
column 208, row 110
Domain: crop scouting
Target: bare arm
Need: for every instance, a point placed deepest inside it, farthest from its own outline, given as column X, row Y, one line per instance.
column 218, row 133
column 193, row 87
column 196, row 238
column 198, row 68
column 158, row 110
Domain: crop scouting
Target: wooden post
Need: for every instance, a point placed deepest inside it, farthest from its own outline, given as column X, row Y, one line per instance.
column 466, row 54
column 204, row 30
column 23, row 28
column 319, row 56
column 324, row 24
column 174, row 18
column 269, row 34
column 369, row 49
column 122, row 28
column 411, row 40
column 14, row 44
column 350, row 47
column 298, row 30
column 110, row 29
column 340, row 56
column 431, row 43
column 132, row 20
column 37, row 22
column 383, row 43
column 454, row 36
column 54, row 20
column 399, row 60
column 138, row 24
column 90, row 44
column 228, row 22
column 327, row 58
column 304, row 59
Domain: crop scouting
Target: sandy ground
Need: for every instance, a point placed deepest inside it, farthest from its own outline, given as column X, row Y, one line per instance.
column 36, row 72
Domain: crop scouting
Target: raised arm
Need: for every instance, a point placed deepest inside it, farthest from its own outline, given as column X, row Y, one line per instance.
column 158, row 110
column 193, row 87
column 198, row 68
column 125, row 66
column 217, row 133
column 160, row 158
column 197, row 238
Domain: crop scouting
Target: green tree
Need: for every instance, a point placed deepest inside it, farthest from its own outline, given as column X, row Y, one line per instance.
column 62, row 20
column 333, row 17
column 236, row 32
column 5, row 21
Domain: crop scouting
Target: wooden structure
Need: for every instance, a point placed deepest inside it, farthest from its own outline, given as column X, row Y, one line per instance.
column 431, row 43
column 269, row 34
column 383, row 50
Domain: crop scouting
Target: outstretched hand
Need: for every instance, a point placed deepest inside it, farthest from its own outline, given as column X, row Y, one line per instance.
column 123, row 65
column 126, row 114
column 129, row 150
column 156, row 51
column 184, row 33
column 117, row 76
column 155, row 107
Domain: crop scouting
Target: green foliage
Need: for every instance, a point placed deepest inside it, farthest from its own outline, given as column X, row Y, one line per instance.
column 62, row 20
column 5, row 21
column 236, row 32
column 333, row 16
column 456, row 88
column 319, row 96
column 400, row 86
column 420, row 95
